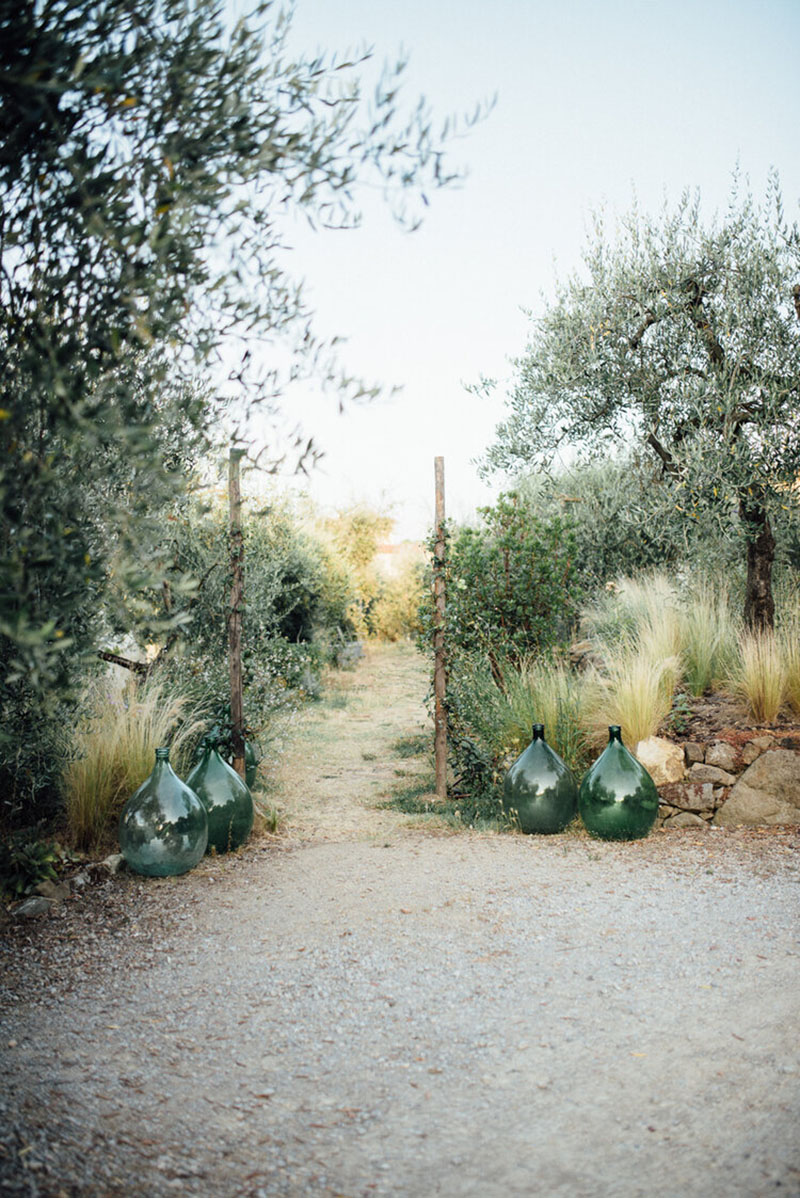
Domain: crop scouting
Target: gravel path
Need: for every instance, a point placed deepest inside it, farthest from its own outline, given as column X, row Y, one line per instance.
column 368, row 1006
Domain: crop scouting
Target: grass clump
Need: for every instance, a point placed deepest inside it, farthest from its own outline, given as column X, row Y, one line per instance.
column 628, row 606
column 709, row 635
column 481, row 810
column 760, row 675
column 544, row 691
column 635, row 690
column 789, row 640
column 113, row 750
column 412, row 746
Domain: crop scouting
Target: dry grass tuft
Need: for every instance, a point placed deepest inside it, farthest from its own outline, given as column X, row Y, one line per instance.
column 114, row 750
column 760, row 675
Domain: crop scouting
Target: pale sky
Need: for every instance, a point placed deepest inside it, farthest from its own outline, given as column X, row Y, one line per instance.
column 596, row 100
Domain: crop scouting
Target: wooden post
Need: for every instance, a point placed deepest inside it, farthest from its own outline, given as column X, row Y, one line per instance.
column 235, row 614
column 439, row 668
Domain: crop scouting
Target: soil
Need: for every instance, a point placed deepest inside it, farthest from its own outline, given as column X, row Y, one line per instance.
column 369, row 1003
column 719, row 717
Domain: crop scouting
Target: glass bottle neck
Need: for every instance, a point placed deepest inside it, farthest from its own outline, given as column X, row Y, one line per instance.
column 614, row 733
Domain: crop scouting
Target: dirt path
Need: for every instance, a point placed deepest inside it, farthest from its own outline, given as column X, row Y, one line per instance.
column 370, row 1006
column 342, row 758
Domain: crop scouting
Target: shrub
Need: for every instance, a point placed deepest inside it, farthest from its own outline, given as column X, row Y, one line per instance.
column 511, row 585
column 614, row 507
column 490, row 723
column 25, row 861
column 395, row 614
column 113, row 751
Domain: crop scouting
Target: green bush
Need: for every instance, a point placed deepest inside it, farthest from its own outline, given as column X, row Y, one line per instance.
column 512, row 595
column 490, row 724
column 512, row 586
column 26, row 860
column 615, row 510
column 296, row 612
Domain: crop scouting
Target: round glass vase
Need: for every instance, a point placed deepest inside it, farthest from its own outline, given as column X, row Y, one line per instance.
column 618, row 799
column 163, row 829
column 226, row 798
column 539, row 793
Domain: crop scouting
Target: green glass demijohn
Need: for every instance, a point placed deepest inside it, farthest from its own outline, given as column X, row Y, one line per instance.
column 163, row 828
column 251, row 758
column 250, row 763
column 226, row 798
column 618, row 799
column 539, row 792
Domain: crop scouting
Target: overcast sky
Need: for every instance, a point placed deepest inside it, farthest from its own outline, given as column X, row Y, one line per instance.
column 596, row 101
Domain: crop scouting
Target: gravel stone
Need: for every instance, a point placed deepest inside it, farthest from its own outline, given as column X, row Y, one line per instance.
column 370, row 1004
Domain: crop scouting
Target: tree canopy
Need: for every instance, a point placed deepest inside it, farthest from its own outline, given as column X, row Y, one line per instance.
column 682, row 336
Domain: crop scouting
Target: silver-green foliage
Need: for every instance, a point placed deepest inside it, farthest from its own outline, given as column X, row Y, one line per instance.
column 150, row 153
column 683, row 337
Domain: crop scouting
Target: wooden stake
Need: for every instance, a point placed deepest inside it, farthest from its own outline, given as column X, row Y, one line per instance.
column 439, row 667
column 235, row 614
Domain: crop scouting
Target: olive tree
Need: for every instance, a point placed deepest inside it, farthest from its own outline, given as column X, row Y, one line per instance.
column 682, row 336
column 150, row 152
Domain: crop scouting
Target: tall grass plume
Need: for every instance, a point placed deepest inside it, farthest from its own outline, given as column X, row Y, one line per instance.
column 760, row 675
column 113, row 750
column 635, row 690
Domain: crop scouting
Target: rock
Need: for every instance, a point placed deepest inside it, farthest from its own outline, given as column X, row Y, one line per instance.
column 31, row 907
column 768, row 792
column 114, row 863
column 689, row 796
column 80, row 881
column 723, row 755
column 712, row 774
column 662, row 759
column 693, row 751
column 685, row 819
column 763, row 742
column 57, row 891
column 750, row 752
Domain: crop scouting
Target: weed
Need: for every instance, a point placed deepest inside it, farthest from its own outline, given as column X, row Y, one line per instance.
column 267, row 816
column 25, row 861
column 412, row 746
column 483, row 811
column 680, row 715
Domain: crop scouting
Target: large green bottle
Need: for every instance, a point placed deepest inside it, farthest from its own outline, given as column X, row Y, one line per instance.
column 163, row 829
column 539, row 792
column 250, row 763
column 618, row 799
column 226, row 798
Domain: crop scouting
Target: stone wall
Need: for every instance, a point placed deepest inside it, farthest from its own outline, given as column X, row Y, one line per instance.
column 737, row 779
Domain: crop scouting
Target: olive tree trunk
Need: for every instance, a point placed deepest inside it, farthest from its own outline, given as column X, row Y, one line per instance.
column 759, row 604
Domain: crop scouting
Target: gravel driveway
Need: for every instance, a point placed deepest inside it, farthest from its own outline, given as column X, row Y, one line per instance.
column 363, row 1006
